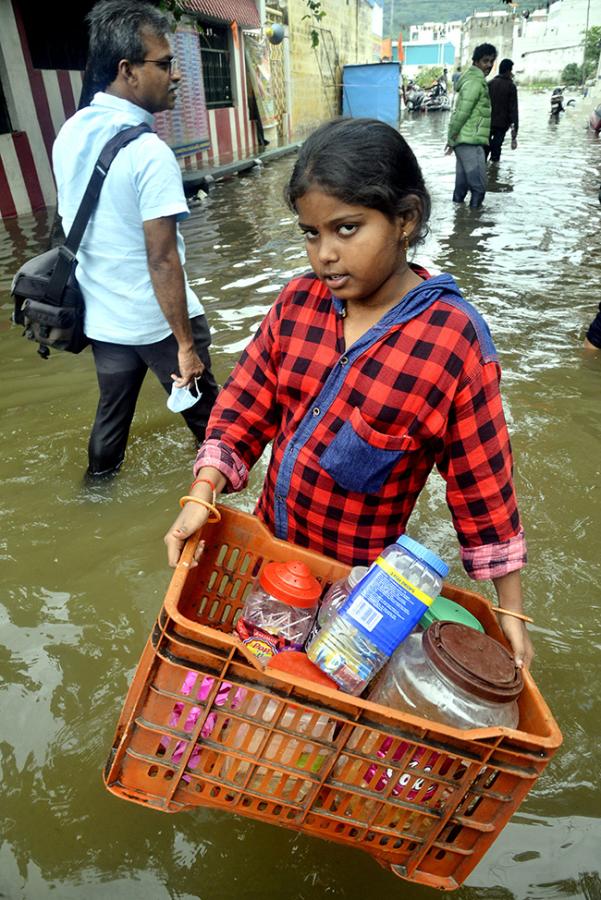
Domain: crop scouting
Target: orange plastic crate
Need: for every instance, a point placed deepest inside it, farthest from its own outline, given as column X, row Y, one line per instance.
column 202, row 725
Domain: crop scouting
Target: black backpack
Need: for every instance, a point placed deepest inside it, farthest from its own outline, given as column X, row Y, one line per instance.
column 48, row 299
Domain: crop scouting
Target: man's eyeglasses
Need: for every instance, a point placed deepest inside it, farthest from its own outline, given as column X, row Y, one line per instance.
column 167, row 65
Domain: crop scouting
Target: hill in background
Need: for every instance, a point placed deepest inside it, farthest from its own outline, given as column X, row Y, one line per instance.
column 414, row 12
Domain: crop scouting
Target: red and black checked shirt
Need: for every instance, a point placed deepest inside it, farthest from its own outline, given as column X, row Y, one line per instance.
column 357, row 431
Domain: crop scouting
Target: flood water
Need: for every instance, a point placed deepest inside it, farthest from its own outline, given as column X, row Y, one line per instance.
column 84, row 572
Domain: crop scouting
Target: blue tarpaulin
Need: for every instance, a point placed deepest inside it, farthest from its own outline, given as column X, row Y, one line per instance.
column 372, row 90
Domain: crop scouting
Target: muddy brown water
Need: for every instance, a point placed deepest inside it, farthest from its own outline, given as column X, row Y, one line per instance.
column 84, row 574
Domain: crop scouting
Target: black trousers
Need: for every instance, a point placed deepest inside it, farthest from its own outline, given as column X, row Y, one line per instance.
column 120, row 370
column 497, row 136
column 594, row 331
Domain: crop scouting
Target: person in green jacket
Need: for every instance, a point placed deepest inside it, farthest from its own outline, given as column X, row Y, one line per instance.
column 469, row 128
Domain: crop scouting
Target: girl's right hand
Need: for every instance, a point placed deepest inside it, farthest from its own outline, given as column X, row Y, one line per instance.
column 192, row 517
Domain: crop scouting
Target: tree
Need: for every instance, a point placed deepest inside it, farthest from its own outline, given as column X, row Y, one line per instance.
column 427, row 77
column 592, row 48
column 572, row 74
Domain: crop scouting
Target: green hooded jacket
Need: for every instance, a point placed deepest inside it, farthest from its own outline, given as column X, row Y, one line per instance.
column 470, row 122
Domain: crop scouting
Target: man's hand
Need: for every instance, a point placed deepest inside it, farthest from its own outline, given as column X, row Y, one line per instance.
column 190, row 367
column 448, row 150
column 514, row 143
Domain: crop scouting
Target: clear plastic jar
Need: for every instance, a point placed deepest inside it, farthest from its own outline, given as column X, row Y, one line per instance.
column 334, row 597
column 279, row 610
column 380, row 612
column 453, row 675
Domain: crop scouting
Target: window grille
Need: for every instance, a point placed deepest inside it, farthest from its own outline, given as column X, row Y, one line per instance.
column 216, row 65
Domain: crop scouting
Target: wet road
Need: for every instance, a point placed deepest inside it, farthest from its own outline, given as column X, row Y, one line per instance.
column 83, row 570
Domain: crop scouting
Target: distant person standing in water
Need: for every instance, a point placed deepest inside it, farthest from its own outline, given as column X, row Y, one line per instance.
column 469, row 128
column 455, row 78
column 504, row 109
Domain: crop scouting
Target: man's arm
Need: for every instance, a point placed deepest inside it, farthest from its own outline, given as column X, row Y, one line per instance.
column 513, row 110
column 168, row 281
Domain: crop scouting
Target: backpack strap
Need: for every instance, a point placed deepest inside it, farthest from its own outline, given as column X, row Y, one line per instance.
column 66, row 253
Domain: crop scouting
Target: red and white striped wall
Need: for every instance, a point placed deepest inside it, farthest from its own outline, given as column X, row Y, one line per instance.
column 39, row 101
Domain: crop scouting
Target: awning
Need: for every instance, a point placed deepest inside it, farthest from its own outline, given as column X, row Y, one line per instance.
column 244, row 12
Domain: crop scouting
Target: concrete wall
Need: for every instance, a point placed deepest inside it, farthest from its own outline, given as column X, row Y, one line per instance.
column 432, row 32
column 345, row 36
column 548, row 41
column 494, row 28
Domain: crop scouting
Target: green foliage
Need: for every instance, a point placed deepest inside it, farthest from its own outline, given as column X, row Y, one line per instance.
column 572, row 74
column 315, row 15
column 592, row 47
column 172, row 8
column 427, row 77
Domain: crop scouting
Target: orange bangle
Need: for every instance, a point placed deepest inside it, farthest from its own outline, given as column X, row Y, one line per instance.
column 210, row 506
column 205, row 481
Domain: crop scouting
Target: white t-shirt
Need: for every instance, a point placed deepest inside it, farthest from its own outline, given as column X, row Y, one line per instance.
column 144, row 182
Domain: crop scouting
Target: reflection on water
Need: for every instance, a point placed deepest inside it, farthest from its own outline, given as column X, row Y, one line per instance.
column 84, row 573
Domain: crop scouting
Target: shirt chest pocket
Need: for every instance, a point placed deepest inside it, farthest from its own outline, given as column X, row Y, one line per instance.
column 359, row 458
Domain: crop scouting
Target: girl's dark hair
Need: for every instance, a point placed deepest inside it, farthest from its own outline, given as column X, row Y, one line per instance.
column 362, row 162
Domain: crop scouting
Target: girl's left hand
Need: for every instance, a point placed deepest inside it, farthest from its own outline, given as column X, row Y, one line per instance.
column 191, row 518
column 516, row 633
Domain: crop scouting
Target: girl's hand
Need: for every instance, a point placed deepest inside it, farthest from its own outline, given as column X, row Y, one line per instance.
column 509, row 592
column 207, row 485
column 192, row 517
column 517, row 635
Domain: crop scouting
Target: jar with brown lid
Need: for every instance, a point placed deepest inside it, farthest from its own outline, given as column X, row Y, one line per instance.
column 453, row 675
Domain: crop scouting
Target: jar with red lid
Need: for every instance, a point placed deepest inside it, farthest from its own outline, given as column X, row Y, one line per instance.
column 454, row 675
column 279, row 610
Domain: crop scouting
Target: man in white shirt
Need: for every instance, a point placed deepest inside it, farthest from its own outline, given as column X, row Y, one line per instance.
column 140, row 311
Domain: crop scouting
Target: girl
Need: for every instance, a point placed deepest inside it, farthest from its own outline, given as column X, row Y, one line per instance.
column 365, row 374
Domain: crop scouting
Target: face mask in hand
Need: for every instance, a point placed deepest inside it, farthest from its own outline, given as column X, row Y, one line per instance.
column 182, row 398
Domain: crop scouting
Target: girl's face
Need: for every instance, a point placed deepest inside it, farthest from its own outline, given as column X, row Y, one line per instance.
column 355, row 250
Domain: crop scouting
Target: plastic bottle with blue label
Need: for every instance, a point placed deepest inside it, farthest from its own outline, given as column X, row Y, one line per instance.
column 379, row 613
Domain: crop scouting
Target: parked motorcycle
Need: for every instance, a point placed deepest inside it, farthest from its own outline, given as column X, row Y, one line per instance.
column 557, row 106
column 595, row 119
column 414, row 96
column 438, row 97
column 418, row 100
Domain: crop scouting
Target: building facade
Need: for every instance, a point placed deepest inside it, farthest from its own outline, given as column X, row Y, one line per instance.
column 42, row 58
column 549, row 39
column 494, row 28
column 237, row 91
column 345, row 35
